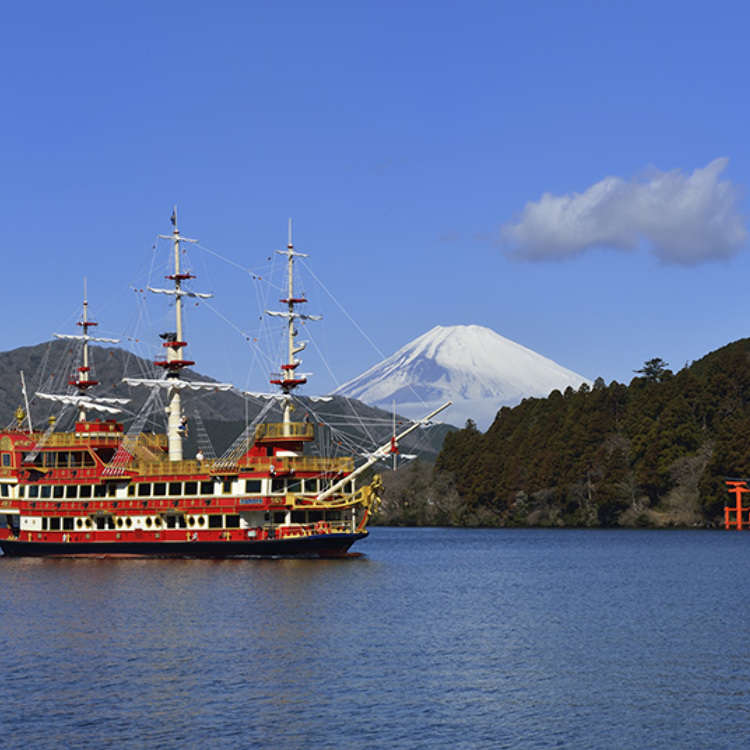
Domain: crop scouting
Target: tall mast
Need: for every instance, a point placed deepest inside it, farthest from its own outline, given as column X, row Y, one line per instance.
column 289, row 380
column 83, row 380
column 174, row 343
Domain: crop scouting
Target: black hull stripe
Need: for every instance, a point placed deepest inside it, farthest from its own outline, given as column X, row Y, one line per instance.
column 330, row 545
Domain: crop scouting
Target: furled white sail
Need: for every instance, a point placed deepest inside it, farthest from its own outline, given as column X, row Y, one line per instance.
column 84, row 337
column 193, row 385
column 180, row 293
column 86, row 402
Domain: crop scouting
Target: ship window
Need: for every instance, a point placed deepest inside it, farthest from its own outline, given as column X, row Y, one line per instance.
column 58, row 490
column 100, row 490
column 191, row 521
column 54, row 524
column 311, row 485
column 298, row 516
column 71, row 491
column 214, row 522
column 21, row 491
column 277, row 486
column 4, row 490
column 128, row 522
column 88, row 459
column 88, row 523
column 62, row 459
column 201, row 520
column 49, row 458
column 347, row 488
column 171, row 521
column 333, row 515
column 6, row 459
column 84, row 490
column 149, row 522
column 315, row 515
column 144, row 490
column 253, row 486
column 79, row 522
column 278, row 517
column 191, row 488
column 232, row 522
column 294, row 485
column 119, row 523
column 175, row 488
column 207, row 488
column 226, row 487
column 44, row 524
column 181, row 522
column 46, row 490
column 67, row 524
column 33, row 490
column 110, row 522
column 160, row 489
column 76, row 459
column 157, row 521
column 112, row 490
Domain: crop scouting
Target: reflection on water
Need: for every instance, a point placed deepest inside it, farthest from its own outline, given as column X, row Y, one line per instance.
column 439, row 638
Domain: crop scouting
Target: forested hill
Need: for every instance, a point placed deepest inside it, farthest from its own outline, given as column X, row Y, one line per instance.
column 654, row 453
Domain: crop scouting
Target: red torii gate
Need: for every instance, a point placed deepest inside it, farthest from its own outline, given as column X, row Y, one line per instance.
column 738, row 487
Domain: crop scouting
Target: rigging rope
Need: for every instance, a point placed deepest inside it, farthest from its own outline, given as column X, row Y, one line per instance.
column 126, row 449
column 241, row 444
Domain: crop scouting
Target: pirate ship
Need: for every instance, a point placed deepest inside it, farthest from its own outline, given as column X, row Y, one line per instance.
column 102, row 490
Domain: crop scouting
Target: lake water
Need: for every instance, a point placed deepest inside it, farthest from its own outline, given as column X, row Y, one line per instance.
column 435, row 638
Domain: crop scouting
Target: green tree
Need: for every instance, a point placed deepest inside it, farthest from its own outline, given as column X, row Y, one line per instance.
column 654, row 369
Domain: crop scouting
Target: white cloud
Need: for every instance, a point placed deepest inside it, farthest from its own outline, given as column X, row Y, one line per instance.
column 684, row 219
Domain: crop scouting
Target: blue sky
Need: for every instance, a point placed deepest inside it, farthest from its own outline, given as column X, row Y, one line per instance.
column 412, row 144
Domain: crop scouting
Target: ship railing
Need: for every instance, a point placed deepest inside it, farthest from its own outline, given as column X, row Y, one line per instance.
column 308, row 529
column 316, row 464
column 278, row 466
column 280, row 430
column 68, row 439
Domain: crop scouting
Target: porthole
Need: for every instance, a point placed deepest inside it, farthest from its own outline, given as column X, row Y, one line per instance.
column 148, row 522
column 119, row 525
column 128, row 522
column 157, row 521
column 79, row 522
column 191, row 521
column 201, row 520
column 88, row 523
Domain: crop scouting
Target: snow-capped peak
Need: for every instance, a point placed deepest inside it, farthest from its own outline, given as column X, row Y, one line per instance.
column 476, row 368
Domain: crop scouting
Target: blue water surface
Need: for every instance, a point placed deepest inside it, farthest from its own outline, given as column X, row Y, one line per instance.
column 435, row 638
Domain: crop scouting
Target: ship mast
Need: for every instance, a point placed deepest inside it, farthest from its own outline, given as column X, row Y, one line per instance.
column 174, row 343
column 289, row 380
column 83, row 380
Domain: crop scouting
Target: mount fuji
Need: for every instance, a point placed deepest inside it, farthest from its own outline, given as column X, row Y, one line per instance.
column 476, row 368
